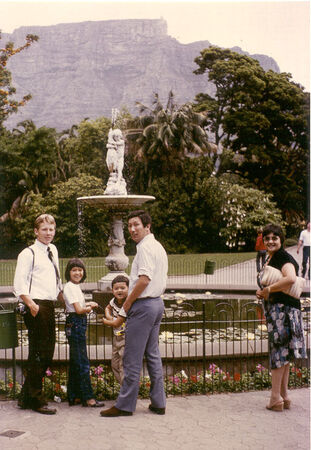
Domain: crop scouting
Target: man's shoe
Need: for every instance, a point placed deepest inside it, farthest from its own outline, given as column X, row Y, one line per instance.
column 160, row 411
column 21, row 404
column 115, row 412
column 45, row 410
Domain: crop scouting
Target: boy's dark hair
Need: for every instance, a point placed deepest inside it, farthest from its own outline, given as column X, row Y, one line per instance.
column 120, row 279
column 143, row 215
column 75, row 262
column 274, row 229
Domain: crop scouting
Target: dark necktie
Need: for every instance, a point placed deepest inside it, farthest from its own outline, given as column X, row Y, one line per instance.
column 50, row 255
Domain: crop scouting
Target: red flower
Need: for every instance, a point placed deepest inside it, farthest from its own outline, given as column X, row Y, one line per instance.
column 10, row 385
column 57, row 387
column 194, row 378
column 237, row 377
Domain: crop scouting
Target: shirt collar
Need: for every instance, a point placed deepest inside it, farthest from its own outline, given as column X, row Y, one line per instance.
column 42, row 246
column 148, row 237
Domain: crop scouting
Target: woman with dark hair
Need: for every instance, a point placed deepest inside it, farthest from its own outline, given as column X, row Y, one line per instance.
column 283, row 316
column 79, row 389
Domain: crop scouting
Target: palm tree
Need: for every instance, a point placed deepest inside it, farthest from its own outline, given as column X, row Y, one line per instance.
column 167, row 135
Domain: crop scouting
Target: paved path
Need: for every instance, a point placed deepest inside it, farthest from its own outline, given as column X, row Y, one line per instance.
column 214, row 422
column 240, row 276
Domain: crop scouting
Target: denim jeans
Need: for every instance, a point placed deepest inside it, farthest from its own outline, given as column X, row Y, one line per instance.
column 79, row 382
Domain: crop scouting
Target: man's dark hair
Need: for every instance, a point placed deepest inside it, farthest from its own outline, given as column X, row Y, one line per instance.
column 143, row 215
column 120, row 279
column 274, row 229
column 75, row 262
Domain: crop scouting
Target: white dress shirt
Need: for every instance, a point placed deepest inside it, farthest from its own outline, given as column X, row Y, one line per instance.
column 73, row 294
column 40, row 280
column 150, row 260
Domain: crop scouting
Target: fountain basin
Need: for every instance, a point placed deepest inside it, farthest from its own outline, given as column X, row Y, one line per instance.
column 116, row 203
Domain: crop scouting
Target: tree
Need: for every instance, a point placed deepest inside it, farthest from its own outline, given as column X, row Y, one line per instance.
column 8, row 104
column 62, row 204
column 83, row 148
column 29, row 164
column 168, row 135
column 263, row 118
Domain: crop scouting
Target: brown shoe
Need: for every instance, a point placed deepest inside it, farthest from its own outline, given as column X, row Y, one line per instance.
column 160, row 411
column 45, row 410
column 115, row 412
column 287, row 404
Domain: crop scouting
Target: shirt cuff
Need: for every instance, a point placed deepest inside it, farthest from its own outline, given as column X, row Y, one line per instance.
column 122, row 313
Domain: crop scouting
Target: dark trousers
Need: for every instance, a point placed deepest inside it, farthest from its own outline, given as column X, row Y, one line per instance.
column 79, row 383
column 41, row 338
column 305, row 258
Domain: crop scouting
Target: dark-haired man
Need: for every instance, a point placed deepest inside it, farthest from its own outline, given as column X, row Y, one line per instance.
column 144, row 308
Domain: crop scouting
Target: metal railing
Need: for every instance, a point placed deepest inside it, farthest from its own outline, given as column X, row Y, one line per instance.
column 207, row 345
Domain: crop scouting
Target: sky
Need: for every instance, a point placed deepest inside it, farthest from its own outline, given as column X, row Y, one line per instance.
column 278, row 28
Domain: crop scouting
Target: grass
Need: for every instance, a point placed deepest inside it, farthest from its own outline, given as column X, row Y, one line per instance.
column 188, row 264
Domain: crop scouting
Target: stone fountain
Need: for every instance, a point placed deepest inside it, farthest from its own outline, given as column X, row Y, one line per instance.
column 115, row 200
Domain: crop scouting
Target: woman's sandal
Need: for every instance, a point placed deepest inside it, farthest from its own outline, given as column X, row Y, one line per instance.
column 287, row 404
column 279, row 406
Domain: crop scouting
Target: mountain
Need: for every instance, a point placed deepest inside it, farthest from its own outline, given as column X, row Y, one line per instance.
column 83, row 70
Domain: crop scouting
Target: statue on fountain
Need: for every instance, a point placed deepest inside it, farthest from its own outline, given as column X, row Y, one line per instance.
column 116, row 184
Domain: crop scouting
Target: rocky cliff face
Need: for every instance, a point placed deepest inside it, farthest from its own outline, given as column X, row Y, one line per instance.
column 85, row 69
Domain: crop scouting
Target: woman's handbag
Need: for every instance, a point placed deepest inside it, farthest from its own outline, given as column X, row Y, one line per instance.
column 270, row 275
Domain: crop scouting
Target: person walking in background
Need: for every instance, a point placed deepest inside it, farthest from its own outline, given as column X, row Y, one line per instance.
column 283, row 316
column 38, row 285
column 120, row 286
column 304, row 241
column 79, row 389
column 144, row 309
column 261, row 251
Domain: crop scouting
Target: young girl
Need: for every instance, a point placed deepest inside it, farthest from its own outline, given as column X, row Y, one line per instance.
column 79, row 389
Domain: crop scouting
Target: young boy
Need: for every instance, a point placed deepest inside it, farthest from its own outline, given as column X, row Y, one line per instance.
column 120, row 286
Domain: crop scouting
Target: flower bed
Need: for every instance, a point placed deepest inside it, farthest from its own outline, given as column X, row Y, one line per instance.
column 215, row 380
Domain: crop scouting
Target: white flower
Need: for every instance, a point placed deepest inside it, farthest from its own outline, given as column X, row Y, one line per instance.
column 167, row 335
column 184, row 375
column 180, row 298
column 208, row 293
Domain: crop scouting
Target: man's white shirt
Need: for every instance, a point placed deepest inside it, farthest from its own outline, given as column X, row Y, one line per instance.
column 41, row 277
column 305, row 238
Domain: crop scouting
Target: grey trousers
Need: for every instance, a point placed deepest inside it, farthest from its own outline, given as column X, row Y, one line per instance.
column 142, row 339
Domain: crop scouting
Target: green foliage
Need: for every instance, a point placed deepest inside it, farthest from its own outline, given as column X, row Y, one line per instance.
column 244, row 210
column 62, row 204
column 263, row 117
column 83, row 148
column 168, row 134
column 201, row 213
